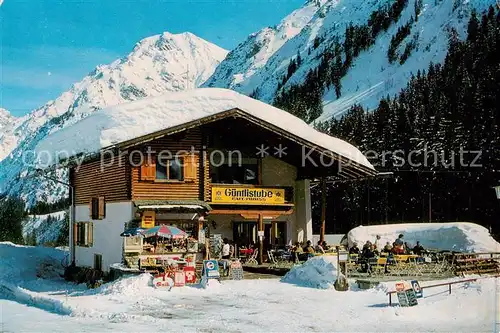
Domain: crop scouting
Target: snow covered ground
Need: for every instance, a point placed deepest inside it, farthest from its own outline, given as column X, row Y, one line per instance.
column 132, row 305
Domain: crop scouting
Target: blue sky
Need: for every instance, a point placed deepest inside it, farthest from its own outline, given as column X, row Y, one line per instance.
column 47, row 45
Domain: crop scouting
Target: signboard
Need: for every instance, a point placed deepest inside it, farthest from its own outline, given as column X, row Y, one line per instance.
column 190, row 274
column 402, row 299
column 343, row 256
column 211, row 269
column 412, row 299
column 236, row 270
column 416, row 288
column 163, row 281
column 179, row 279
column 406, row 294
column 148, row 219
column 248, row 195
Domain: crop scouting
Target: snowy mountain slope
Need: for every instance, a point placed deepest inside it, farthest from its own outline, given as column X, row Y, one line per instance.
column 253, row 54
column 166, row 62
column 371, row 76
column 8, row 127
column 45, row 228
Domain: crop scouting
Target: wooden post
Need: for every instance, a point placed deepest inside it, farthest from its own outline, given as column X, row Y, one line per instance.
column 323, row 209
column 274, row 231
column 261, row 239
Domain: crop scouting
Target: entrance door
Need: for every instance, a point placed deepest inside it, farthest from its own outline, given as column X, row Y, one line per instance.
column 244, row 233
column 275, row 237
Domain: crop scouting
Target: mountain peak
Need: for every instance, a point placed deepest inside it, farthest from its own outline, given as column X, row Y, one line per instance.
column 157, row 64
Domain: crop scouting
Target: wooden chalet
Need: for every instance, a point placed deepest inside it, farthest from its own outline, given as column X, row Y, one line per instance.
column 217, row 183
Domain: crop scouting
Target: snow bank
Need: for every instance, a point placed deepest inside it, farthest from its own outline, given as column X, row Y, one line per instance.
column 456, row 236
column 318, row 272
column 23, row 263
column 127, row 286
column 123, row 122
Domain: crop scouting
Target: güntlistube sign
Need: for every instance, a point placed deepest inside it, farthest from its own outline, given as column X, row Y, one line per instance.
column 248, row 195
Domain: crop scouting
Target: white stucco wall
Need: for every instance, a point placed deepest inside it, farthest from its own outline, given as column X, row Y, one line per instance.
column 107, row 240
column 302, row 230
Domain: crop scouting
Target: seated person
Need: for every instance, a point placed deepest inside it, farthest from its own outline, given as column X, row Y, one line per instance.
column 419, row 249
column 368, row 250
column 319, row 248
column 308, row 248
column 296, row 252
column 398, row 249
column 366, row 255
column 388, row 247
column 354, row 249
column 408, row 248
column 325, row 246
column 399, row 241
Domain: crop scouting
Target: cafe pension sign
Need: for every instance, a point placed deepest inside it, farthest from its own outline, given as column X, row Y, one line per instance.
column 248, row 195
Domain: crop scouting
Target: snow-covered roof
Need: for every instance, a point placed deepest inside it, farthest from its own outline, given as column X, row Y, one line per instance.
column 124, row 122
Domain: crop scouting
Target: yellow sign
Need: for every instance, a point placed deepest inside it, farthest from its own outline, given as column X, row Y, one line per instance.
column 148, row 219
column 248, row 195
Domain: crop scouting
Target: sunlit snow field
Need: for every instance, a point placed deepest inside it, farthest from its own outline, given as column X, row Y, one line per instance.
column 30, row 304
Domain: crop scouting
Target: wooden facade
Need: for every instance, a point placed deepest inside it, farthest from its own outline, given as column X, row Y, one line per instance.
column 101, row 179
column 128, row 180
column 196, row 170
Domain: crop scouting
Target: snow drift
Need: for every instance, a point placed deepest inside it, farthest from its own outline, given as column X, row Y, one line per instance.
column 20, row 264
column 318, row 272
column 456, row 236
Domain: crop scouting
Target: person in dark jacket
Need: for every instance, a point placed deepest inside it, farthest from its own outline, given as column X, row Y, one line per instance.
column 366, row 255
column 418, row 249
column 354, row 249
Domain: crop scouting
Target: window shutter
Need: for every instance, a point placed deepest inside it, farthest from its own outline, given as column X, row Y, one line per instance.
column 190, row 168
column 81, row 238
column 90, row 208
column 90, row 234
column 102, row 208
column 75, row 234
column 148, row 170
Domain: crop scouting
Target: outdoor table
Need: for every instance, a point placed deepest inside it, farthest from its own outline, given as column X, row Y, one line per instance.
column 404, row 257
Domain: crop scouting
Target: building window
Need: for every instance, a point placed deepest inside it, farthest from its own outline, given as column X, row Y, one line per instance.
column 236, row 174
column 98, row 262
column 84, row 234
column 97, row 208
column 183, row 168
column 169, row 169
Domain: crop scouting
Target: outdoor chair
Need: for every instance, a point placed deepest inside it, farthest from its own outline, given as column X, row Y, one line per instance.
column 374, row 268
column 272, row 260
column 252, row 261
